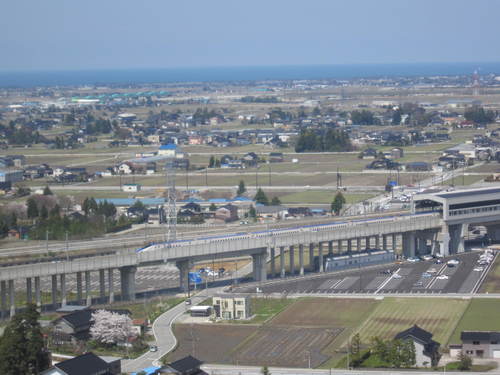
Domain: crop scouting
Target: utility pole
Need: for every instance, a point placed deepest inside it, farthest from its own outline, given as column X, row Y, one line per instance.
column 47, row 241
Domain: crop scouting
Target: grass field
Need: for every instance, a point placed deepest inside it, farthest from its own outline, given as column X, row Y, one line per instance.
column 481, row 315
column 394, row 315
column 492, row 282
column 321, row 196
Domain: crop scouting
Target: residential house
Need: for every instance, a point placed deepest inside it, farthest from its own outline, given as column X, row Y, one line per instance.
column 481, row 344
column 271, row 212
column 85, row 364
column 131, row 188
column 250, row 159
column 227, row 213
column 168, row 150
column 184, row 366
column 426, row 349
column 232, row 306
column 397, row 153
column 75, row 326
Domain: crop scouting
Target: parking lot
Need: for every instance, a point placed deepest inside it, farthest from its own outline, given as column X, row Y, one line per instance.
column 420, row 277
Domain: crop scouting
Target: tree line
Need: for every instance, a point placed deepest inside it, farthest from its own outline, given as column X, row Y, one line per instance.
column 332, row 140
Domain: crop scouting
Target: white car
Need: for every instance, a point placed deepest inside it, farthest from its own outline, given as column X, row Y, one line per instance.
column 453, row 262
column 432, row 270
column 397, row 276
column 427, row 257
column 413, row 259
column 479, row 269
column 442, row 277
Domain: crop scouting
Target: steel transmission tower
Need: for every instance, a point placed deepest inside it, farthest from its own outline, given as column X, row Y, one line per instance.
column 171, row 211
column 475, row 83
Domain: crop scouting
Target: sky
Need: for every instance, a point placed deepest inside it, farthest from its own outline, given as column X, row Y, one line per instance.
column 123, row 34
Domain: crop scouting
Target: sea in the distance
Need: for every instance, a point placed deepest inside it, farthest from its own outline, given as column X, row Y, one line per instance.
column 241, row 73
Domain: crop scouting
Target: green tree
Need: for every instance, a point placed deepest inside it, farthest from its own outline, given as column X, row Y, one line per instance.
column 338, row 203
column 396, row 117
column 47, row 191
column 265, row 371
column 22, row 349
column 44, row 213
column 89, row 206
column 261, row 197
column 464, row 362
column 212, row 207
column 55, row 211
column 241, row 188
column 211, row 162
column 275, row 201
column 32, row 210
column 252, row 213
column 355, row 350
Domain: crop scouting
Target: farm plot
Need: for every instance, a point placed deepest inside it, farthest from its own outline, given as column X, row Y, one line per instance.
column 481, row 315
column 291, row 346
column 438, row 316
column 492, row 282
column 210, row 343
column 323, row 312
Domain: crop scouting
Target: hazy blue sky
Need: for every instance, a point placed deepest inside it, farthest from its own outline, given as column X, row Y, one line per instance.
column 88, row 34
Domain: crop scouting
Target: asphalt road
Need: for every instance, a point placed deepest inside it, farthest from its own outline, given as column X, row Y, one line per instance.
column 423, row 277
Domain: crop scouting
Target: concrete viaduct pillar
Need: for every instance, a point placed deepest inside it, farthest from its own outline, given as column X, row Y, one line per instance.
column 62, row 278
column 183, row 265
column 339, row 247
column 111, row 286
column 259, row 266
column 79, row 287
column 3, row 298
column 409, row 244
column 457, row 232
column 38, row 296
column 444, row 241
column 349, row 246
column 282, row 261
column 320, row 258
column 367, row 242
column 301, row 260
column 54, row 291
column 273, row 262
column 311, row 257
column 384, row 242
column 29, row 290
column 330, row 248
column 394, row 242
column 291, row 253
column 102, row 285
column 88, row 296
column 358, row 244
column 12, row 298
column 377, row 242
column 127, row 279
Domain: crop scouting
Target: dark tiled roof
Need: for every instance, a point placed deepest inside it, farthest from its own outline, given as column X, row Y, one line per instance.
column 417, row 333
column 480, row 336
column 86, row 364
column 83, row 317
column 186, row 364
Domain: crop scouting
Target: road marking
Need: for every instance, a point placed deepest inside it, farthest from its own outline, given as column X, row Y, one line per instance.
column 387, row 281
column 336, row 283
column 483, row 275
column 434, row 280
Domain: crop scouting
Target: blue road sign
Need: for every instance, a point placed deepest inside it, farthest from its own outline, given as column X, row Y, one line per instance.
column 195, row 277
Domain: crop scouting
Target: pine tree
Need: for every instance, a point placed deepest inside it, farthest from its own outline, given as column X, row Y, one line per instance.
column 338, row 203
column 241, row 188
column 47, row 191
column 32, row 211
column 44, row 213
column 261, row 197
column 22, row 349
column 275, row 201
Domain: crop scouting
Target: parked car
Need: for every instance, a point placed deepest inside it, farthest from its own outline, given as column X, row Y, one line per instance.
column 478, row 269
column 453, row 262
column 153, row 348
column 413, row 259
column 442, row 277
column 426, row 275
column 418, row 283
column 397, row 276
column 428, row 257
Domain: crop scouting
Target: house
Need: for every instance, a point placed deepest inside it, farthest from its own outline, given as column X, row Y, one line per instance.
column 250, row 159
column 227, row 213
column 168, row 150
column 299, row 212
column 271, row 212
column 481, row 344
column 184, row 366
column 85, row 364
column 232, row 306
column 125, row 168
column 75, row 326
column 426, row 349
